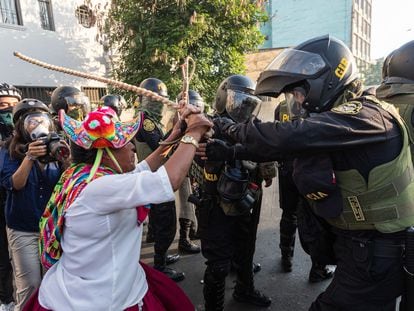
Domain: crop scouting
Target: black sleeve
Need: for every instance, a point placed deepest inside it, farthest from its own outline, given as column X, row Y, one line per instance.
column 327, row 131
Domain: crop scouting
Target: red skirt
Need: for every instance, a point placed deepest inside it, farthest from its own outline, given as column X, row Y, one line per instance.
column 162, row 295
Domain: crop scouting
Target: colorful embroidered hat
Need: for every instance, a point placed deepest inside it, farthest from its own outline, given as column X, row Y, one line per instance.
column 99, row 129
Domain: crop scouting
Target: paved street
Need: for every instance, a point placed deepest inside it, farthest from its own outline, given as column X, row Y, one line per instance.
column 289, row 291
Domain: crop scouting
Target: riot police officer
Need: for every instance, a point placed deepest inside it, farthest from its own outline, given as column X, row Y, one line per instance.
column 292, row 204
column 74, row 102
column 9, row 97
column 230, row 206
column 354, row 167
column 114, row 101
column 163, row 219
column 397, row 85
column 187, row 215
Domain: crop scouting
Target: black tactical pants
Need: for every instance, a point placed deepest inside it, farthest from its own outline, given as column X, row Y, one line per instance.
column 369, row 276
column 289, row 199
column 223, row 239
column 164, row 226
column 6, row 275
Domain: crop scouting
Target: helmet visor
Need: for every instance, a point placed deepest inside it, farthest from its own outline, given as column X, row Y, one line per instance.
column 297, row 62
column 78, row 106
column 241, row 106
column 294, row 102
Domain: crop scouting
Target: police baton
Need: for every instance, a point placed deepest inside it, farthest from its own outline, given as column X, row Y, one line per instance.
column 407, row 303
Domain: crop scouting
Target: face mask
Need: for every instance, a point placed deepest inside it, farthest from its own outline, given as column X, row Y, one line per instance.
column 6, row 117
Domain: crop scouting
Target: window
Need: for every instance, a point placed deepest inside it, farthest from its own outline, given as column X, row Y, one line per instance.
column 94, row 93
column 10, row 12
column 85, row 16
column 39, row 92
column 46, row 15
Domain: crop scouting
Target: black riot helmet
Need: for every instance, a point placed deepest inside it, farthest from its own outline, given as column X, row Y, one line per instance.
column 399, row 65
column 148, row 104
column 194, row 99
column 10, row 91
column 114, row 101
column 235, row 96
column 323, row 66
column 28, row 105
column 74, row 102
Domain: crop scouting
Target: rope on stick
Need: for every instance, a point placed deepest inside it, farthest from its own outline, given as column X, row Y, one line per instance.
column 118, row 84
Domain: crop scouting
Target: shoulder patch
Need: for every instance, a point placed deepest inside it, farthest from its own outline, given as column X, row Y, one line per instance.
column 148, row 125
column 352, row 107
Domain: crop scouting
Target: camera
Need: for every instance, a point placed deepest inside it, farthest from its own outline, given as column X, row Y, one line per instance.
column 57, row 150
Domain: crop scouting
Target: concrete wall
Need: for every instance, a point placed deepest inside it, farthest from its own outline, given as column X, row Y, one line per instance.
column 70, row 45
column 294, row 21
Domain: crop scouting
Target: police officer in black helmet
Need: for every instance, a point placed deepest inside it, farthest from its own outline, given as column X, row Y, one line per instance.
column 9, row 97
column 74, row 102
column 230, row 205
column 355, row 168
column 397, row 85
column 114, row 101
column 163, row 221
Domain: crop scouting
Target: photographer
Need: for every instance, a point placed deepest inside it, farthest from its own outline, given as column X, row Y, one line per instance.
column 29, row 171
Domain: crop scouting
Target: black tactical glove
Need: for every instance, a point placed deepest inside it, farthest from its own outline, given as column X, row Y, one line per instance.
column 219, row 150
column 221, row 124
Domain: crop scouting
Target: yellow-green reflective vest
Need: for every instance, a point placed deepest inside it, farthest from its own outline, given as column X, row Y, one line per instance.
column 386, row 202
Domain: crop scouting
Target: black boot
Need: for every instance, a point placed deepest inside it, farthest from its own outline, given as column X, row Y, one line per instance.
column 319, row 273
column 184, row 243
column 286, row 263
column 160, row 265
column 170, row 259
column 287, row 257
column 214, row 289
column 194, row 234
column 251, row 296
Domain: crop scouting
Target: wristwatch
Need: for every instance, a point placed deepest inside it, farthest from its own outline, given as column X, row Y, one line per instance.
column 187, row 139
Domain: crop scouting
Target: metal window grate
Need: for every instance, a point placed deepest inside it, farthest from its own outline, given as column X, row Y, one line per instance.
column 85, row 16
column 95, row 94
column 46, row 15
column 38, row 92
column 9, row 12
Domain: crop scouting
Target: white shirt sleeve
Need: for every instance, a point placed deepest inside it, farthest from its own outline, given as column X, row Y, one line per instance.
column 112, row 193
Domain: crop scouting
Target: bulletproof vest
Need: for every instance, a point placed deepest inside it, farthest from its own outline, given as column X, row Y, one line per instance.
column 384, row 203
column 283, row 112
column 402, row 97
column 142, row 149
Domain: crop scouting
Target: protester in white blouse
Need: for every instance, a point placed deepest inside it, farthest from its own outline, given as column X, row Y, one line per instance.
column 98, row 268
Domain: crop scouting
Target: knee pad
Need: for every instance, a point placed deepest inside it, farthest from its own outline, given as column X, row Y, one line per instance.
column 218, row 271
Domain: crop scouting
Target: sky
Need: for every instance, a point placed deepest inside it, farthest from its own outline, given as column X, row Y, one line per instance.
column 392, row 25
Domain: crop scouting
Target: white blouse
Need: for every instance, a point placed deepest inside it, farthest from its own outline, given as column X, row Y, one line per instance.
column 101, row 244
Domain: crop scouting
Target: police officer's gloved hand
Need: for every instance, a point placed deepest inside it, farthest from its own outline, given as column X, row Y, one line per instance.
column 221, row 124
column 219, row 150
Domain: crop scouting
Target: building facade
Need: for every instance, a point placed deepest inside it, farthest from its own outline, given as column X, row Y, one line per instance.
column 63, row 33
column 294, row 21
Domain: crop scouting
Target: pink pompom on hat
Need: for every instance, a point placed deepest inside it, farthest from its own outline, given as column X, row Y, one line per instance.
column 99, row 129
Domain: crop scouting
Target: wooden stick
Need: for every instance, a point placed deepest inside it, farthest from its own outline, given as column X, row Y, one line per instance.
column 120, row 85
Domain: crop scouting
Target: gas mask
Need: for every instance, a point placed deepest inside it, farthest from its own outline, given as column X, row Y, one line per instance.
column 37, row 125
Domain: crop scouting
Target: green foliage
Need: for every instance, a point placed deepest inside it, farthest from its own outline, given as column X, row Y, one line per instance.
column 153, row 37
column 373, row 74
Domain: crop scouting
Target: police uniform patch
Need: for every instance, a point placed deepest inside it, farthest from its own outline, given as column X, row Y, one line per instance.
column 352, row 107
column 148, row 125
